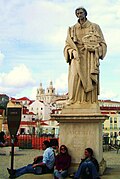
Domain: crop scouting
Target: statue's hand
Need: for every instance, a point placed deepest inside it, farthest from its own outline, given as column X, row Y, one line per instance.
column 75, row 54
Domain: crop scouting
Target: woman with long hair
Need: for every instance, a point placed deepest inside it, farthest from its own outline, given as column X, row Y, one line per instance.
column 62, row 163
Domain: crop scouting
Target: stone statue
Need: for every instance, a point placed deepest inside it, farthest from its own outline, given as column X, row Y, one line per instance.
column 85, row 45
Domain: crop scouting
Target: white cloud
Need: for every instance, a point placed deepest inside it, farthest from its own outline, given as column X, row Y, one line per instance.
column 33, row 93
column 2, row 56
column 36, row 21
column 108, row 94
column 61, row 84
column 16, row 80
column 19, row 76
column 45, row 22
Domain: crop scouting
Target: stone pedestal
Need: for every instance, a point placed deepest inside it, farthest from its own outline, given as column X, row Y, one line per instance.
column 80, row 128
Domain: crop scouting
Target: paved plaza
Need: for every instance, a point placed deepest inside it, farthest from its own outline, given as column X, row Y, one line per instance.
column 25, row 156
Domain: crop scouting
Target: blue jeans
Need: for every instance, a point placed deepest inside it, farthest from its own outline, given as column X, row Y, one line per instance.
column 59, row 174
column 90, row 167
column 25, row 169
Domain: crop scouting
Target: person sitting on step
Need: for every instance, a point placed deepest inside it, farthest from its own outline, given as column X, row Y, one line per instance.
column 88, row 168
column 41, row 165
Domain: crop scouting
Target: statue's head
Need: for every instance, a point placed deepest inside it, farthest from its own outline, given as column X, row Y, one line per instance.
column 80, row 8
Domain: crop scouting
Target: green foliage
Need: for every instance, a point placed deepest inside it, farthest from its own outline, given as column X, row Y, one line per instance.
column 4, row 99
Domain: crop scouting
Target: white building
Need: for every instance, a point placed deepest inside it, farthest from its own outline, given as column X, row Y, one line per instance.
column 41, row 110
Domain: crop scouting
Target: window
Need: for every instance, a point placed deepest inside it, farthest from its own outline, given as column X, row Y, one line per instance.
column 115, row 120
column 111, row 126
column 22, row 131
column 115, row 126
column 103, row 126
column 115, row 134
column 33, row 119
column 110, row 119
column 111, row 134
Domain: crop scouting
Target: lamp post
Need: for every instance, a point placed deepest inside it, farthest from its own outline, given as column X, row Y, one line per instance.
column 13, row 119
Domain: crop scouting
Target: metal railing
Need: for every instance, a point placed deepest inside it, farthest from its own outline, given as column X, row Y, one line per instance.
column 27, row 141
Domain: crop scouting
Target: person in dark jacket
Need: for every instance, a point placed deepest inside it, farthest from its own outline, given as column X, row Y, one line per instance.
column 89, row 167
column 62, row 163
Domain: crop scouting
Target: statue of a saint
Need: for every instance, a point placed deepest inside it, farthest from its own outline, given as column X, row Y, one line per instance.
column 85, row 45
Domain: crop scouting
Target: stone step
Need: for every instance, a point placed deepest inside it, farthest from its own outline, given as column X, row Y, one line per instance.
column 32, row 176
column 110, row 173
column 50, row 176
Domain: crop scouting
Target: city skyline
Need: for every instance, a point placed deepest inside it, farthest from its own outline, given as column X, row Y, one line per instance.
column 32, row 38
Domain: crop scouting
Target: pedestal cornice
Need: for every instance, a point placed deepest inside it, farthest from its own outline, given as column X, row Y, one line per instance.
column 79, row 117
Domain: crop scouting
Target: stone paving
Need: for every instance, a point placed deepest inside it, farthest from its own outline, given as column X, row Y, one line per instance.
column 25, row 156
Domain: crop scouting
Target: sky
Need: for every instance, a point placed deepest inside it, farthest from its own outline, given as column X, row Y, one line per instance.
column 32, row 39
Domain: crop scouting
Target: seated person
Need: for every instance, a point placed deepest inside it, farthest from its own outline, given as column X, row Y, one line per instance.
column 41, row 165
column 89, row 167
column 3, row 143
column 62, row 163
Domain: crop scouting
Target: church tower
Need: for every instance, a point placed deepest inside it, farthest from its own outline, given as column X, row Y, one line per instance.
column 50, row 89
column 50, row 93
column 47, row 97
column 40, row 93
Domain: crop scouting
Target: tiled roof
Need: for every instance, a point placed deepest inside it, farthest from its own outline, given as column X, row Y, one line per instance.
column 1, row 111
column 28, row 123
column 43, row 123
column 24, row 99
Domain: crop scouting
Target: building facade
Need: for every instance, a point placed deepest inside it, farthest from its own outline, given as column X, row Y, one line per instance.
column 111, row 127
column 36, row 115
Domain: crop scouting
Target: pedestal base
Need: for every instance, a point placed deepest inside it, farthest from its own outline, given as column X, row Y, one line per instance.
column 102, row 166
column 80, row 131
column 82, row 108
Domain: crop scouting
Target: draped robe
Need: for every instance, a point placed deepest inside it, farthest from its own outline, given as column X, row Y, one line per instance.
column 83, row 78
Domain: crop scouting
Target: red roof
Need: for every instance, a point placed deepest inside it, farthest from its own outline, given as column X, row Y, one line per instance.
column 105, row 112
column 109, row 108
column 1, row 111
column 31, row 113
column 30, row 102
column 43, row 123
column 109, row 101
column 26, row 111
column 24, row 99
column 12, row 98
column 27, row 122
